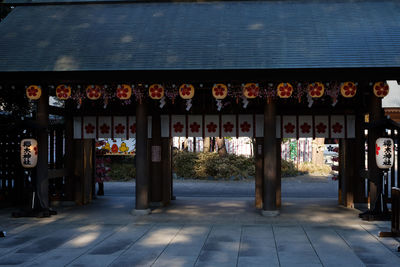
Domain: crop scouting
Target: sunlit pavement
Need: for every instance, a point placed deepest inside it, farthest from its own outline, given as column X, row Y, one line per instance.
column 198, row 231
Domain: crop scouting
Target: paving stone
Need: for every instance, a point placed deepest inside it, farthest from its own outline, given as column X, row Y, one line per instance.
column 148, row 248
column 293, row 246
column 257, row 247
column 331, row 249
column 368, row 248
column 221, row 247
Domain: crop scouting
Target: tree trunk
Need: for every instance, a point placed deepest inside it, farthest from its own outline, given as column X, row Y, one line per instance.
column 206, row 144
column 221, row 146
column 318, row 151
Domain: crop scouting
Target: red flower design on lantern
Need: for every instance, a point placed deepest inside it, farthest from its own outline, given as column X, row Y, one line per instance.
column 195, row 127
column 381, row 89
column 186, row 91
column 285, row 90
column 33, row 92
column 316, row 89
column 178, row 127
column 63, row 92
column 337, row 127
column 133, row 128
column 124, row 91
column 228, row 127
column 219, row 91
column 119, row 129
column 289, row 128
column 35, row 149
column 321, row 128
column 104, row 129
column 305, row 127
column 93, row 92
column 348, row 89
column 377, row 148
column 156, row 91
column 251, row 90
column 245, row 127
column 89, row 128
column 211, row 127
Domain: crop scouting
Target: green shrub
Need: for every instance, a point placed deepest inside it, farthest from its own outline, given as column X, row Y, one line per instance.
column 122, row 171
column 209, row 164
column 184, row 164
column 288, row 169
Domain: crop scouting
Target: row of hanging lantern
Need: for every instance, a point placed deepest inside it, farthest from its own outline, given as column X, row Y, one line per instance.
column 219, row 91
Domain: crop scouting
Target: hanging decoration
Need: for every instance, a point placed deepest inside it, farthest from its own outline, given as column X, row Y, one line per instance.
column 284, row 90
column 186, row 91
column 267, row 92
column 316, row 90
column 63, row 92
column 93, row 92
column 156, row 91
column 124, row 91
column 139, row 92
column 333, row 91
column 219, row 91
column 381, row 89
column 348, row 89
column 251, row 90
column 171, row 92
column 29, row 153
column 33, row 92
column 384, row 150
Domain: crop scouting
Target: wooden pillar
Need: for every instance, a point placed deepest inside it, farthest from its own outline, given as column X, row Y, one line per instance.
column 259, row 156
column 42, row 182
column 166, row 149
column 278, row 174
column 347, row 172
column 69, row 157
column 375, row 114
column 156, row 162
column 270, row 180
column 359, row 163
column 83, row 170
column 142, row 179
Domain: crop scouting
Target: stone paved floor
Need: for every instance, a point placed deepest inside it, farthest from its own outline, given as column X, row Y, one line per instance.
column 197, row 232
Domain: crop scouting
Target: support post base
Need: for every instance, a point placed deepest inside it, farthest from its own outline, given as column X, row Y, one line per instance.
column 270, row 213
column 136, row 212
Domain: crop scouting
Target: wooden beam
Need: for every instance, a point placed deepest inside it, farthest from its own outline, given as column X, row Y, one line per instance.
column 259, row 156
column 375, row 114
column 166, row 151
column 42, row 119
column 278, row 174
column 142, row 179
column 270, row 181
column 156, row 162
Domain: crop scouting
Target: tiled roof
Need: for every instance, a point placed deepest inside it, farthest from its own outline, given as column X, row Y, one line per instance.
column 210, row 36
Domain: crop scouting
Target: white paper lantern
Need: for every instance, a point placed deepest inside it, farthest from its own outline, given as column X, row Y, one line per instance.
column 29, row 153
column 384, row 148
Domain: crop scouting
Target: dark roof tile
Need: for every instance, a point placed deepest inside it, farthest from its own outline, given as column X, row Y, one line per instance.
column 213, row 35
